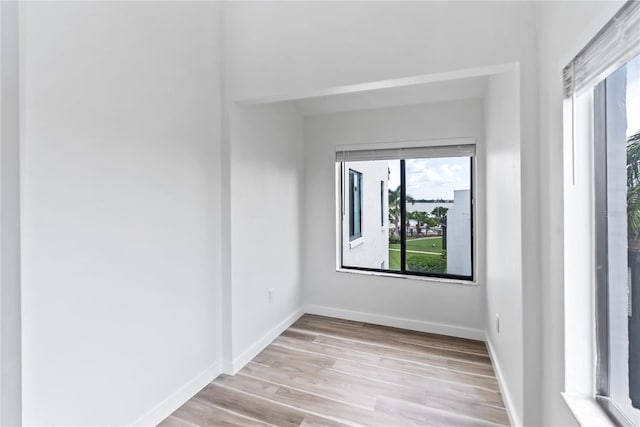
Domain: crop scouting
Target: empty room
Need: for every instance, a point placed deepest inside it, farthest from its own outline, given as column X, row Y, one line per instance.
column 310, row 213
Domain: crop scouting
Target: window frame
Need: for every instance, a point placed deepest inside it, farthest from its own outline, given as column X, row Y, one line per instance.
column 352, row 218
column 382, row 204
column 601, row 117
column 600, row 238
column 403, row 272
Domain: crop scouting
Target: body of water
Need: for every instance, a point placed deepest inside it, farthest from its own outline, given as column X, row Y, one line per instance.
column 425, row 206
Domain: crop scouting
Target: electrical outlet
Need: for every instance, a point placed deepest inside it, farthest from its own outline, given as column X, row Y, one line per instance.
column 497, row 323
column 272, row 292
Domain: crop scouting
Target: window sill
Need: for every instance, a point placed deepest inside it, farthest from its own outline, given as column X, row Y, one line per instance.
column 586, row 411
column 356, row 243
column 408, row 277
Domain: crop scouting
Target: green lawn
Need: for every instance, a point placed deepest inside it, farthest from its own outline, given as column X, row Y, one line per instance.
column 429, row 244
column 424, row 245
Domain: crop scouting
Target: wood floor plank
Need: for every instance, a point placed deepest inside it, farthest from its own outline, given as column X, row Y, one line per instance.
column 315, row 359
column 424, row 393
column 456, row 365
column 375, row 333
column 332, row 321
column 201, row 413
column 341, row 412
column 313, row 421
column 387, row 331
column 461, row 392
column 375, row 339
column 251, row 406
column 474, row 409
column 287, row 341
column 249, row 385
column 480, row 369
column 448, row 375
column 352, row 413
column 438, row 373
column 291, row 366
column 336, row 373
column 306, row 336
column 322, row 385
column 415, row 414
column 436, row 339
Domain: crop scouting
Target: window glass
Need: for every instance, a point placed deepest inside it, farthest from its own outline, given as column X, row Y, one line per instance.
column 426, row 216
column 438, row 205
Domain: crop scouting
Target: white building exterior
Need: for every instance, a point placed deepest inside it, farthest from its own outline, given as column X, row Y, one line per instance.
column 459, row 234
column 371, row 249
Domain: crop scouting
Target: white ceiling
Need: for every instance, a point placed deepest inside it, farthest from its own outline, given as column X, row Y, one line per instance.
column 423, row 93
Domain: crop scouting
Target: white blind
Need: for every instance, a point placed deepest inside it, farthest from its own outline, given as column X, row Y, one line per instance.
column 612, row 47
column 356, row 155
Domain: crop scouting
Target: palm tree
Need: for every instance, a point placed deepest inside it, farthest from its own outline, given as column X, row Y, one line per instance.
column 432, row 222
column 439, row 211
column 394, row 207
column 633, row 186
column 410, row 216
column 423, row 219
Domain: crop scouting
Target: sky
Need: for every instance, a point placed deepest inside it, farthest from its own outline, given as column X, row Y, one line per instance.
column 435, row 178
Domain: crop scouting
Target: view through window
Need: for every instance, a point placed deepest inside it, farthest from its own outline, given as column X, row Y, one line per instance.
column 416, row 216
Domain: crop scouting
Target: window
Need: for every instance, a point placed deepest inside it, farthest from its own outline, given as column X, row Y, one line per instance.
column 617, row 212
column 426, row 201
column 603, row 90
column 355, row 205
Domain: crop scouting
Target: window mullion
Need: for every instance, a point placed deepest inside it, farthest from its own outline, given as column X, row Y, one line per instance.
column 403, row 218
column 601, row 243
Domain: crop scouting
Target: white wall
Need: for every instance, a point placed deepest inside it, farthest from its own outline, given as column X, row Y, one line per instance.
column 568, row 26
column 266, row 201
column 120, row 214
column 10, row 341
column 459, row 221
column 504, row 235
column 372, row 248
column 457, row 309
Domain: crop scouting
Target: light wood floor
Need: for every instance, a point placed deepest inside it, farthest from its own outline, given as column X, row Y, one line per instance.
column 329, row 372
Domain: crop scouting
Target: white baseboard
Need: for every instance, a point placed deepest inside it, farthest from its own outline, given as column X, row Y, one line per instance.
column 514, row 418
column 251, row 352
column 179, row 397
column 397, row 322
